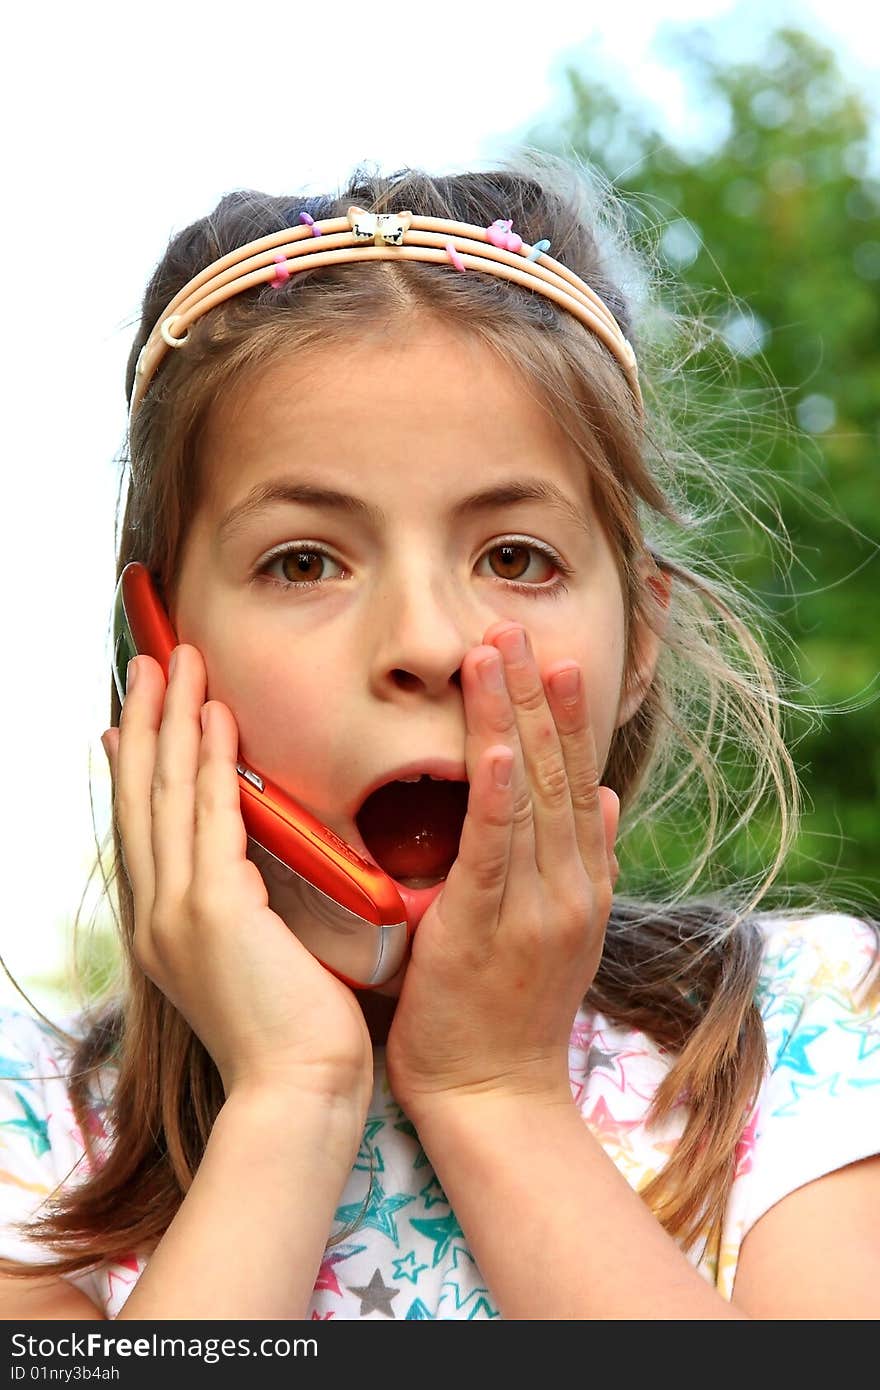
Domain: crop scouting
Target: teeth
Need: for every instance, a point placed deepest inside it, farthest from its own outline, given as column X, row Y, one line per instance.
column 422, row 776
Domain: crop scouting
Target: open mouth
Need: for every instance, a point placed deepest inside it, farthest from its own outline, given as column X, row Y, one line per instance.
column 412, row 828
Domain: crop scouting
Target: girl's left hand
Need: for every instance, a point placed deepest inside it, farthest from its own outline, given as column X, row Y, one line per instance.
column 503, row 957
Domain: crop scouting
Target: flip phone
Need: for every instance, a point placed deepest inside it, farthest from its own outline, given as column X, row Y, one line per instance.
column 346, row 911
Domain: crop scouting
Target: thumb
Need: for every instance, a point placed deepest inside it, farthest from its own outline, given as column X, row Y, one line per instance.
column 110, row 744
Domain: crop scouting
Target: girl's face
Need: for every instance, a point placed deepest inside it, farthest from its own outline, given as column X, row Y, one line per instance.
column 367, row 513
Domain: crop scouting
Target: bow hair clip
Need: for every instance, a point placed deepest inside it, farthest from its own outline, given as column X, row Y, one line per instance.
column 382, row 228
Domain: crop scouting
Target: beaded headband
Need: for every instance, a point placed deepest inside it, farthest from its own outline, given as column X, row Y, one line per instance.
column 365, row 236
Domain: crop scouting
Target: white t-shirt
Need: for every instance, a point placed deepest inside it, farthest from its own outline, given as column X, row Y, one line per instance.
column 404, row 1254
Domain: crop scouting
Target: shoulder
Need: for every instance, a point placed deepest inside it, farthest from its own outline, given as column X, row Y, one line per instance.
column 821, row 967
column 817, row 1108
column 817, row 948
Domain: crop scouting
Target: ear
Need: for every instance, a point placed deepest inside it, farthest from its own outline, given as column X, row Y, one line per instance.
column 647, row 637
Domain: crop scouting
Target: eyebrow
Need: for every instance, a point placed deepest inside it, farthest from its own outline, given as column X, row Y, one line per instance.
column 503, row 494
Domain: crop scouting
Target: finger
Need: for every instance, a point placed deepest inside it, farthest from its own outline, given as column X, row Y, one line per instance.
column 491, row 720
column 133, row 762
column 594, row 807
column 220, row 840
column 479, row 875
column 173, row 788
column 554, row 828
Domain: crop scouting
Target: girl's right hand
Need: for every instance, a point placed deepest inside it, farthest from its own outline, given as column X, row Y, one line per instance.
column 268, row 1012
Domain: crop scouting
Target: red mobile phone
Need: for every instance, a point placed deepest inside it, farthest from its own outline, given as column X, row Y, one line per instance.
column 348, row 912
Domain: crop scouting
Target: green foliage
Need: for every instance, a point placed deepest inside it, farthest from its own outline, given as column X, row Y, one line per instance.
column 781, row 219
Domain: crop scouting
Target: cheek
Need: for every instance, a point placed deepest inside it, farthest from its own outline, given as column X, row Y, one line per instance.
column 289, row 714
column 603, row 689
column 597, row 645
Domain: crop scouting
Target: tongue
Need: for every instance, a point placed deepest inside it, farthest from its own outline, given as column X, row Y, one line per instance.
column 412, row 829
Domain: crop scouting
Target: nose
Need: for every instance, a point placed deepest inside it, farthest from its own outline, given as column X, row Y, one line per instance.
column 421, row 629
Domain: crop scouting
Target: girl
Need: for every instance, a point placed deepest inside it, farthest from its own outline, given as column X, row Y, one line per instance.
column 404, row 506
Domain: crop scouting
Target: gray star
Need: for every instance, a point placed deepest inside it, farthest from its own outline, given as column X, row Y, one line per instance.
column 602, row 1061
column 375, row 1297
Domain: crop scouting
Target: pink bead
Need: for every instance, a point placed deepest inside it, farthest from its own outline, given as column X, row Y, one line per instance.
column 282, row 274
column 454, row 256
column 501, row 235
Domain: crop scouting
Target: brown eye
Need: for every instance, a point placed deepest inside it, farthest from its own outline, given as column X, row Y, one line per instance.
column 512, row 561
column 302, row 565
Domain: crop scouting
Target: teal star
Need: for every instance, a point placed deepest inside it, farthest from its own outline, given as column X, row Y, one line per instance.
column 406, row 1127
column 367, row 1156
column 379, row 1213
column 418, row 1312
column 793, row 1052
column 461, row 1252
column 482, row 1304
column 10, row 1070
column 36, row 1129
column 868, row 1034
column 800, row 1088
column 442, row 1230
column 432, row 1193
column 414, row 1270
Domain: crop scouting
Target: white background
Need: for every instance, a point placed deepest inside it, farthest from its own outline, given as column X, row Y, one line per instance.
column 121, row 124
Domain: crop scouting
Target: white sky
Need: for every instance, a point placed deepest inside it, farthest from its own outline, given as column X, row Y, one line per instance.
column 121, row 124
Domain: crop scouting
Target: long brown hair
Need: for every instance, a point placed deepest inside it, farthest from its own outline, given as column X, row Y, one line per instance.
column 683, row 971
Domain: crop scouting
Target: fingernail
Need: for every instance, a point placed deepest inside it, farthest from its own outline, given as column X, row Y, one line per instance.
column 490, row 674
column 104, row 738
column 172, row 662
column 131, row 671
column 515, row 644
column 566, row 685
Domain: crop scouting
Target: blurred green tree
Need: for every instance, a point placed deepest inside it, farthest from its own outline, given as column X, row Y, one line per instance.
column 779, row 212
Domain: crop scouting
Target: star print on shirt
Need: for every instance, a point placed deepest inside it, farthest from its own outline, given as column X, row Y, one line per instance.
column 432, row 1193
column 794, row 1052
column 799, row 1089
column 376, row 1296
column 746, row 1145
column 10, row 1070
column 462, row 1299
column 369, row 1158
column 868, row 1034
column 326, row 1276
column 406, row 1268
column 405, row 1126
column 420, row 1312
column 37, row 1130
column 379, row 1213
column 442, row 1230
column 115, row 1276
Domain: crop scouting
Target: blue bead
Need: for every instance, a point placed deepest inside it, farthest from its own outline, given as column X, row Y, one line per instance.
column 537, row 249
